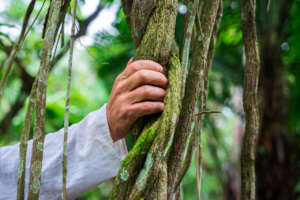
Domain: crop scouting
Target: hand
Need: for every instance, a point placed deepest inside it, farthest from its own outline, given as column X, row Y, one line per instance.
column 139, row 90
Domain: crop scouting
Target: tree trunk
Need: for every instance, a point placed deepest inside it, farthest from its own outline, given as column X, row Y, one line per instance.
column 155, row 166
column 277, row 154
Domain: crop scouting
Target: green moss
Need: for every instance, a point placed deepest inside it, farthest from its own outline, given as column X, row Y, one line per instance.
column 155, row 45
column 149, row 132
column 124, row 175
column 141, row 146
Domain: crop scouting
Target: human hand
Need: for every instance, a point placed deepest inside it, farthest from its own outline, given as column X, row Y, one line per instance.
column 138, row 91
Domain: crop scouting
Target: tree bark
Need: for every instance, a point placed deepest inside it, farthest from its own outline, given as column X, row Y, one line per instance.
column 192, row 91
column 56, row 15
column 66, row 118
column 250, row 101
column 153, row 169
column 143, row 173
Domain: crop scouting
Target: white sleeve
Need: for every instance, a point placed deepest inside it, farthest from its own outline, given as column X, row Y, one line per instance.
column 93, row 157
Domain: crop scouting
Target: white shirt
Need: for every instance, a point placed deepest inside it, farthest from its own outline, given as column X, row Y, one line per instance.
column 93, row 157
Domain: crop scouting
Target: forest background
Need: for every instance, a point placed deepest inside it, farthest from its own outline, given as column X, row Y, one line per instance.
column 104, row 45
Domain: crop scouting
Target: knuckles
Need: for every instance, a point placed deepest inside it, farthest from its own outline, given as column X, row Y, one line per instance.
column 124, row 112
column 159, row 107
column 119, row 78
column 133, row 67
column 120, row 87
column 147, row 90
column 142, row 75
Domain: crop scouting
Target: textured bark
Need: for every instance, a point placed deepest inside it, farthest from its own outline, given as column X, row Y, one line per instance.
column 143, row 173
column 203, row 99
column 57, row 12
column 195, row 78
column 66, row 122
column 193, row 7
column 155, row 166
column 23, row 143
column 136, row 181
column 250, row 102
column 38, row 142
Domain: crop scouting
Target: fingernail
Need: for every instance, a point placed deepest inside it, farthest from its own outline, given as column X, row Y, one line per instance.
column 160, row 67
column 162, row 107
column 130, row 60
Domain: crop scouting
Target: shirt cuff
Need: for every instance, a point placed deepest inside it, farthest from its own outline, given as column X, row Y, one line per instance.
column 120, row 145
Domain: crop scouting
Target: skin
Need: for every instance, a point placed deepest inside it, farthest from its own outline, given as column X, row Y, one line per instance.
column 138, row 91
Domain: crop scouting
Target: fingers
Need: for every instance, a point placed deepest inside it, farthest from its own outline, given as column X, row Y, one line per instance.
column 138, row 91
column 130, row 61
column 133, row 67
column 147, row 93
column 146, row 77
column 146, row 108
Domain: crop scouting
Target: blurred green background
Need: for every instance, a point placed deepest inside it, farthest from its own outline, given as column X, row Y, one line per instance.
column 105, row 46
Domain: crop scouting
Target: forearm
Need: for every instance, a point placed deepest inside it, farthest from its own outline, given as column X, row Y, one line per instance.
column 92, row 159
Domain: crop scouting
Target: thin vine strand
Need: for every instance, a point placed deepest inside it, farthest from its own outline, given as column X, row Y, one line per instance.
column 66, row 124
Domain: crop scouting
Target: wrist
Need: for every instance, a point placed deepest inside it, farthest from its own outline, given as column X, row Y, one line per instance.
column 111, row 131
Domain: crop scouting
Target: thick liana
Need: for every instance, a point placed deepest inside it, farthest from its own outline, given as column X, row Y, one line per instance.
column 134, row 174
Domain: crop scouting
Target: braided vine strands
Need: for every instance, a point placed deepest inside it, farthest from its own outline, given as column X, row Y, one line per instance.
column 153, row 41
column 135, row 178
column 203, row 98
column 192, row 91
column 157, row 37
column 159, row 34
column 152, row 179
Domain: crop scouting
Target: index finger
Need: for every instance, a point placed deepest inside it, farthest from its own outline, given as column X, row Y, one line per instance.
column 133, row 67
